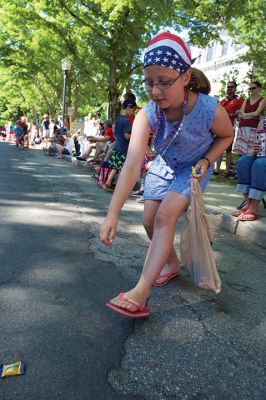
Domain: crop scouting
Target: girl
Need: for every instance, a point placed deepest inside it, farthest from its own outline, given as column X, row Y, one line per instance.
column 190, row 129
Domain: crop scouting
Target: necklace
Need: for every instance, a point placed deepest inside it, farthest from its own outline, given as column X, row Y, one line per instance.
column 151, row 152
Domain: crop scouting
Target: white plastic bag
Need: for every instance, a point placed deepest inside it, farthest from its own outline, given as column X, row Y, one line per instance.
column 195, row 242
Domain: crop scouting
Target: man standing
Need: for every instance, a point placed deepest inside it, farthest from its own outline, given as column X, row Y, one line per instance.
column 45, row 129
column 232, row 104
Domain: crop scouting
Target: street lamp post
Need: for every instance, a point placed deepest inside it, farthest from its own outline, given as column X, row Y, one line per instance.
column 66, row 65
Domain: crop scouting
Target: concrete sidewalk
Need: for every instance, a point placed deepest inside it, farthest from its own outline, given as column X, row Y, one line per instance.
column 221, row 198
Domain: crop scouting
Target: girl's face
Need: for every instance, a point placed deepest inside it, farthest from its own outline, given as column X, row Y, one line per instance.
column 165, row 86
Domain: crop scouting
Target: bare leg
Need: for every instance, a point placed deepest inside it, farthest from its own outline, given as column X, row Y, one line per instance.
column 150, row 209
column 99, row 148
column 88, row 151
column 218, row 164
column 253, row 205
column 228, row 161
column 111, row 177
column 166, row 217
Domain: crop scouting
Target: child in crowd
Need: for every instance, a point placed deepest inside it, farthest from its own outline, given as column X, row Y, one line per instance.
column 18, row 132
column 64, row 147
column 190, row 130
column 122, row 136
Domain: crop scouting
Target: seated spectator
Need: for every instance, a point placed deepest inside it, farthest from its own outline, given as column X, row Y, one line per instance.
column 60, row 146
column 251, row 176
column 102, row 142
column 93, row 140
column 68, row 147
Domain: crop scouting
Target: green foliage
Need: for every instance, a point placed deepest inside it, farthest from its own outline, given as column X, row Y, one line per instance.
column 104, row 41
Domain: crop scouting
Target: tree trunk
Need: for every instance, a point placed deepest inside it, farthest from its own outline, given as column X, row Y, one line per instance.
column 113, row 93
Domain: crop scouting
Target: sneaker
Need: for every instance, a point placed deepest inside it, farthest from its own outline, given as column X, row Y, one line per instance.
column 108, row 188
column 140, row 199
column 137, row 193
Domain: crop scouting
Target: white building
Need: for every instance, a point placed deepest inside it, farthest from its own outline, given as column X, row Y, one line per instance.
column 221, row 62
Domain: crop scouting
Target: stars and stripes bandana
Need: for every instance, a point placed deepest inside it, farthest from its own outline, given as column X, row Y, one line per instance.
column 168, row 50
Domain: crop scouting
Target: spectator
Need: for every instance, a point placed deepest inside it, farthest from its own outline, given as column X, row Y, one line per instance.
column 251, row 177
column 249, row 116
column 129, row 95
column 92, row 142
column 232, row 104
column 101, row 142
column 122, row 137
column 45, row 129
column 18, row 132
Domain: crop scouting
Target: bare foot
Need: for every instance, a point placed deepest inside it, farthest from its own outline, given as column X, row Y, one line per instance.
column 167, row 269
column 134, row 296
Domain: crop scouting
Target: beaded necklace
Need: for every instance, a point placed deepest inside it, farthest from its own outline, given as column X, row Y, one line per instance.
column 151, row 152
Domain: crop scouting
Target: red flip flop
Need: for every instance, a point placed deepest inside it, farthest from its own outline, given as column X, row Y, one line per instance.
column 141, row 312
column 248, row 216
column 169, row 276
column 236, row 213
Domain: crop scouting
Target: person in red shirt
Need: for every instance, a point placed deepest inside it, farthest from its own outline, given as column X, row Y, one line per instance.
column 232, row 104
column 101, row 141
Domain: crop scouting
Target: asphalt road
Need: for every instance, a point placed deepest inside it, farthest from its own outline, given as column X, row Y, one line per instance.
column 55, row 277
column 52, row 289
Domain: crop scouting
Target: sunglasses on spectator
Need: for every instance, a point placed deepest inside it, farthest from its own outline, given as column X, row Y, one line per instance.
column 230, row 87
column 252, row 88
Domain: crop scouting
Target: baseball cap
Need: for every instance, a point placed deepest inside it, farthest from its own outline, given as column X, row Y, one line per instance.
column 129, row 103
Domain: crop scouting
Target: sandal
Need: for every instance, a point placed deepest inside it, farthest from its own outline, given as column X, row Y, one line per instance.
column 168, row 277
column 248, row 216
column 141, row 311
column 236, row 213
column 108, row 188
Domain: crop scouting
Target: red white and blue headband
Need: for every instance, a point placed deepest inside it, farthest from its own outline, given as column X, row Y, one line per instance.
column 168, row 50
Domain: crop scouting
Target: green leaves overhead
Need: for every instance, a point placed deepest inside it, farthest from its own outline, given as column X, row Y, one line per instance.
column 104, row 40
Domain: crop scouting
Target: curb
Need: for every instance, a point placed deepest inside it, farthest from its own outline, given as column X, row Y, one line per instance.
column 253, row 232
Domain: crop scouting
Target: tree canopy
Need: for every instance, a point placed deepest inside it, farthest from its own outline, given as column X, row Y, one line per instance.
column 104, row 39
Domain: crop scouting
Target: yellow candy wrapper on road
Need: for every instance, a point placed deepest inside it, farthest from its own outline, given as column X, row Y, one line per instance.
column 16, row 368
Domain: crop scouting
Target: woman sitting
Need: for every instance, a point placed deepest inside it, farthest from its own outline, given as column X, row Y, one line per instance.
column 251, row 176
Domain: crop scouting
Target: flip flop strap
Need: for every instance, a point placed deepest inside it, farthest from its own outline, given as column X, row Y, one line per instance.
column 250, row 213
column 122, row 297
column 166, row 275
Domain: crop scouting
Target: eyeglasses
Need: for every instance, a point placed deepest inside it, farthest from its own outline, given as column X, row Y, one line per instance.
column 163, row 85
column 230, row 87
column 252, row 88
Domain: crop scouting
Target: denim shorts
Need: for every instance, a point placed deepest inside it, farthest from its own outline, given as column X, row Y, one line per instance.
column 157, row 187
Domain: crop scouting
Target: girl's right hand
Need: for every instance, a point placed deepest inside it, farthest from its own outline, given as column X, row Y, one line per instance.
column 108, row 230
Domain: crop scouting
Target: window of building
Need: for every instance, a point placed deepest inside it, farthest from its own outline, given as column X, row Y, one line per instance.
column 209, row 53
column 224, row 49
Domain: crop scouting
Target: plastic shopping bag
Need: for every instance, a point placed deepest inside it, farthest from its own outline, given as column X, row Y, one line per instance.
column 195, row 242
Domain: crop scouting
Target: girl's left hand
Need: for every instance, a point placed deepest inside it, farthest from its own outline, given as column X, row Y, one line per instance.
column 202, row 167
